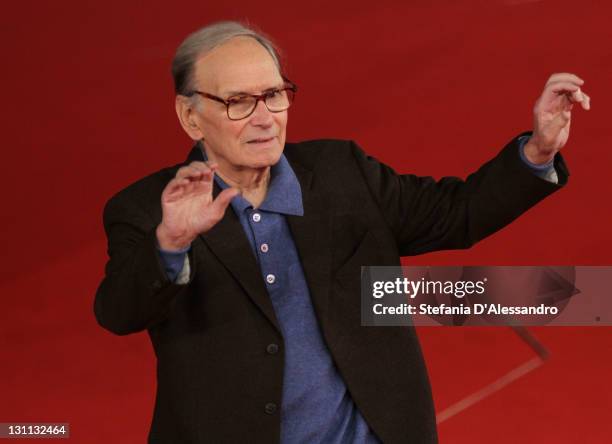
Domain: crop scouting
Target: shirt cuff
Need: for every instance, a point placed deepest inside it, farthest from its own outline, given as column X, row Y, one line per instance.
column 545, row 171
column 173, row 261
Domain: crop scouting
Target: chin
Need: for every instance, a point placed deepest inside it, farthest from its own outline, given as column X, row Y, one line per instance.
column 265, row 160
column 260, row 157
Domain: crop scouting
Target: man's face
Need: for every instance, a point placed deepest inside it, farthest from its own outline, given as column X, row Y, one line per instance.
column 241, row 65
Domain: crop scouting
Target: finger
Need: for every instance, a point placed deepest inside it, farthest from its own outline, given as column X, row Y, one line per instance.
column 559, row 87
column 565, row 77
column 195, row 168
column 586, row 102
column 223, row 199
column 174, row 188
column 212, row 165
column 579, row 97
column 555, row 95
column 205, row 183
column 177, row 182
column 200, row 165
column 206, row 167
column 189, row 171
column 187, row 183
column 207, row 175
column 576, row 96
column 190, row 185
column 197, row 175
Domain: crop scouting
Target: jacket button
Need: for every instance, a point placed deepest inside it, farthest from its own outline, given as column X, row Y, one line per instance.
column 270, row 408
column 272, row 349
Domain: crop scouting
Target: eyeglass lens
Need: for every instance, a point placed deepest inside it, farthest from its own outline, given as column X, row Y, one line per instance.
column 276, row 101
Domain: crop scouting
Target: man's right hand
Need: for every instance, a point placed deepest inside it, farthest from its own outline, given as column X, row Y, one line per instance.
column 188, row 208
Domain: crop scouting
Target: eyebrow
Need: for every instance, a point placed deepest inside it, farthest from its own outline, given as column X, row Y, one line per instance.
column 237, row 93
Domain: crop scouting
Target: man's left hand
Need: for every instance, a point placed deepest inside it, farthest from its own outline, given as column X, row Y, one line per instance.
column 552, row 116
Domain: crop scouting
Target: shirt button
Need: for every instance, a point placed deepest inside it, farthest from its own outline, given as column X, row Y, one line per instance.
column 270, row 278
column 256, row 217
column 264, row 248
column 272, row 349
column 270, row 408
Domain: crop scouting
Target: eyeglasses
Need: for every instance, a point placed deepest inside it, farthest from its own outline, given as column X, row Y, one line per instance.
column 242, row 106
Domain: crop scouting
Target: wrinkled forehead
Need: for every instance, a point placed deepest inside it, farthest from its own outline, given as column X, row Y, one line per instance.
column 239, row 65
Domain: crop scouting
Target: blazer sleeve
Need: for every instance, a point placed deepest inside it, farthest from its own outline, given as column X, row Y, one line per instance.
column 427, row 215
column 135, row 293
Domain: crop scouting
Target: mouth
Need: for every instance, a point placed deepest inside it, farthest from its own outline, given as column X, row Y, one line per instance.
column 260, row 140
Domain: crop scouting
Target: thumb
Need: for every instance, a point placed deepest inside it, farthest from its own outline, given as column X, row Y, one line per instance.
column 560, row 121
column 219, row 205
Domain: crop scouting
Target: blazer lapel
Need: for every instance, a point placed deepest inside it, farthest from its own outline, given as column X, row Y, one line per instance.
column 229, row 244
column 312, row 236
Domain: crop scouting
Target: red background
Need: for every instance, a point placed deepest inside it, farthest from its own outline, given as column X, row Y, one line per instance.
column 430, row 87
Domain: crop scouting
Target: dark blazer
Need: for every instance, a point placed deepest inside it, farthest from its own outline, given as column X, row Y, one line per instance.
column 218, row 379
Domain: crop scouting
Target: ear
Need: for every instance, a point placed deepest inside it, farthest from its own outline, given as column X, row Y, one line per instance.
column 187, row 116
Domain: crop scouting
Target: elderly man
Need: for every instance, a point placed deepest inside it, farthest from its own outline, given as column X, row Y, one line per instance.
column 253, row 310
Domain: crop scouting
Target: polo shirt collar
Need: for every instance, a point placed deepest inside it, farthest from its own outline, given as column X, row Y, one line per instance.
column 284, row 192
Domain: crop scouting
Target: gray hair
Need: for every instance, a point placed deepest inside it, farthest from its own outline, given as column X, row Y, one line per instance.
column 205, row 40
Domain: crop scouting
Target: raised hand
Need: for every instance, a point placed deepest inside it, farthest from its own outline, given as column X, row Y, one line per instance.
column 188, row 208
column 552, row 116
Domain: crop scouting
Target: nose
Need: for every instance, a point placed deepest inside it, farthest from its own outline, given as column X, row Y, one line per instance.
column 261, row 115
